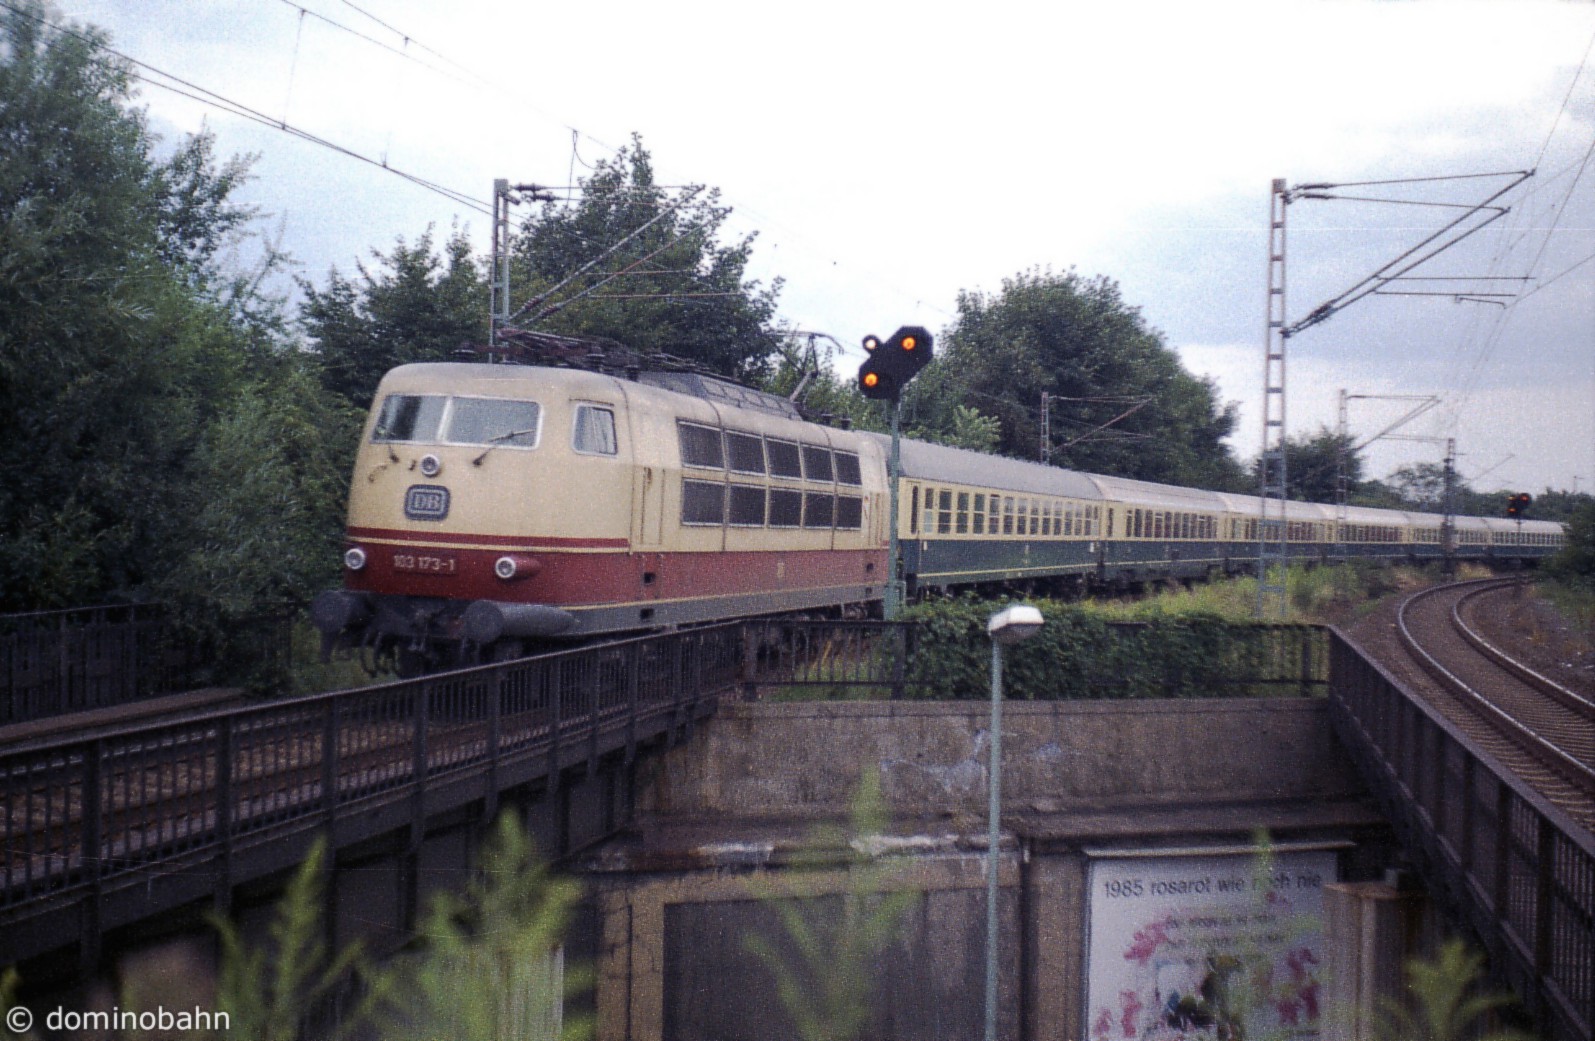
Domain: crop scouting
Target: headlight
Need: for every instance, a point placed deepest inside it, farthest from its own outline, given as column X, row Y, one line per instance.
column 354, row 559
column 430, row 465
column 515, row 566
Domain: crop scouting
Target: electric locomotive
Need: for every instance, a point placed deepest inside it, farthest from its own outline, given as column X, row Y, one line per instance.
column 496, row 507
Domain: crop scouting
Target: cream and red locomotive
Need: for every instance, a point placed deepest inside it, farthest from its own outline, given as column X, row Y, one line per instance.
column 494, row 506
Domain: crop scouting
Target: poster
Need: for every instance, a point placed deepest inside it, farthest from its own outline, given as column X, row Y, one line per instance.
column 1206, row 946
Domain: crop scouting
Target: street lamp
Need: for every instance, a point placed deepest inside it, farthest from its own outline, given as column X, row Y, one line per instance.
column 1010, row 625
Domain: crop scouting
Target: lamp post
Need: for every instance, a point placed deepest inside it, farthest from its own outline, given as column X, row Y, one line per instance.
column 1011, row 625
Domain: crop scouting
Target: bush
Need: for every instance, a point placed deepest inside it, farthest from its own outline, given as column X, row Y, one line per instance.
column 1078, row 654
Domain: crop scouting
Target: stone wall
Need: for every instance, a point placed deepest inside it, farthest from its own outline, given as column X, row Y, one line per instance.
column 724, row 817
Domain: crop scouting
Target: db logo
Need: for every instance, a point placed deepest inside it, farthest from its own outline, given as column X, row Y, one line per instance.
column 426, row 502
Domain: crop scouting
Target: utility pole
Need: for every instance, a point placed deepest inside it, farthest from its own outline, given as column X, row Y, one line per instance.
column 504, row 196
column 1272, row 531
column 1344, row 449
column 1448, row 524
column 1046, row 427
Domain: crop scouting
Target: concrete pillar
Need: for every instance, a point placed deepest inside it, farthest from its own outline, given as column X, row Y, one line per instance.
column 1371, row 930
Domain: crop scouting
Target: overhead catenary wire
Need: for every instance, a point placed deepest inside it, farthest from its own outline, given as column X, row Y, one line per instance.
column 213, row 99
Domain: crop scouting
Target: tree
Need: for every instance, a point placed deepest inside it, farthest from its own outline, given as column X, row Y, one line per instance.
column 1575, row 561
column 416, row 306
column 142, row 377
column 1075, row 338
column 1313, row 463
column 636, row 264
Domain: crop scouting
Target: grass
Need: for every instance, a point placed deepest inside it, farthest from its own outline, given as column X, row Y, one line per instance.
column 1320, row 595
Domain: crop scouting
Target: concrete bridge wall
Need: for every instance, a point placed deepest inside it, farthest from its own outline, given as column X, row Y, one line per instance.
column 722, row 818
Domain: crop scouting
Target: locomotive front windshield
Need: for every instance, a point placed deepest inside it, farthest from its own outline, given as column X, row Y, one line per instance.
column 462, row 421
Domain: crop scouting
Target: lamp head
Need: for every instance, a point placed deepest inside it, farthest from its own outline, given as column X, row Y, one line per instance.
column 1014, row 623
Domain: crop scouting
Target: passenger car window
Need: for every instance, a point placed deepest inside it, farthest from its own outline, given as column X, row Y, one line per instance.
column 410, row 417
column 594, row 432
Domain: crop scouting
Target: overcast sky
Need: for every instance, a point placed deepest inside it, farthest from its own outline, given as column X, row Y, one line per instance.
column 889, row 155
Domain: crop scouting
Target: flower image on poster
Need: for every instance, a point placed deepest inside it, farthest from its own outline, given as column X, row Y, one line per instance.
column 1223, row 946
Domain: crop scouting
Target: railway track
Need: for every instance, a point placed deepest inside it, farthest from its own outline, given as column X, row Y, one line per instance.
column 1541, row 729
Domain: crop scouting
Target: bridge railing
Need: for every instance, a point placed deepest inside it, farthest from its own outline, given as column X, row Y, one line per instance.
column 53, row 662
column 85, row 813
column 872, row 659
column 1518, row 870
column 57, row 662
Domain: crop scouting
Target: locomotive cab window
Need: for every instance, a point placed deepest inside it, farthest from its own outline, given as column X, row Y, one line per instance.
column 494, row 421
column 410, row 417
column 849, row 512
column 819, row 510
column 594, row 431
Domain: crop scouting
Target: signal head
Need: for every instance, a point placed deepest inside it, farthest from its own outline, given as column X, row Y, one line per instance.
column 878, row 380
column 871, row 342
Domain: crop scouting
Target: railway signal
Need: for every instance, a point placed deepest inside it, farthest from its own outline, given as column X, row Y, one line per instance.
column 892, row 363
column 1518, row 505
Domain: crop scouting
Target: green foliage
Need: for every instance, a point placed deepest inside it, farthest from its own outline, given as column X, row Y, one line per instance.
column 826, row 989
column 163, row 438
column 1445, row 1005
column 1077, row 654
column 268, row 990
column 675, row 286
column 489, row 963
column 1313, row 462
column 1574, row 563
column 415, row 306
column 1076, row 338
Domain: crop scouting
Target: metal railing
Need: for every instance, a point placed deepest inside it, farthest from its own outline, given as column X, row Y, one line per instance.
column 57, row 662
column 53, row 662
column 95, row 824
column 1516, row 869
column 80, row 816
column 818, row 659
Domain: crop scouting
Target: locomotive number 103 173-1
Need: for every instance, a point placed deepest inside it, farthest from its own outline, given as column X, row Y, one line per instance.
column 430, row 564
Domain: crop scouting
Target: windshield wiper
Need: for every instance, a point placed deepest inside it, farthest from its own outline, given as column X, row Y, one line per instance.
column 494, row 442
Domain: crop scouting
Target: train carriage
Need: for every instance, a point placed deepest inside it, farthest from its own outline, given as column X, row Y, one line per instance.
column 967, row 518
column 494, row 506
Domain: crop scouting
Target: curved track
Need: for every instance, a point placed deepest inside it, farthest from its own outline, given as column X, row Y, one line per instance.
column 1540, row 728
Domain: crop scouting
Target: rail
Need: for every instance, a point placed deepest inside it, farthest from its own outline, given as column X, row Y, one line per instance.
column 1517, row 870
